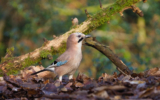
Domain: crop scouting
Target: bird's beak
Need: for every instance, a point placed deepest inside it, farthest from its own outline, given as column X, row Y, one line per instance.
column 87, row 36
column 83, row 37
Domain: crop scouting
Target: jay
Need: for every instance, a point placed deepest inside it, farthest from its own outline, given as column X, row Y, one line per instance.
column 68, row 62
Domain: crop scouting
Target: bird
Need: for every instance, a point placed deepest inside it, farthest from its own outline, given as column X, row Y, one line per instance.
column 68, row 62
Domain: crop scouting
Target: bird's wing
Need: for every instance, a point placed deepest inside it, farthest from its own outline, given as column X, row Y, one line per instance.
column 61, row 60
column 57, row 64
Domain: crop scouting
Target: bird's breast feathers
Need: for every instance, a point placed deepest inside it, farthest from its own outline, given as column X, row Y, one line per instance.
column 77, row 59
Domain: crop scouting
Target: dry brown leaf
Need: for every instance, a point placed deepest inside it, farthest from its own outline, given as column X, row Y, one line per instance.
column 146, row 92
column 102, row 94
column 68, row 86
column 153, row 72
column 46, row 74
column 116, row 87
column 47, row 81
column 78, row 84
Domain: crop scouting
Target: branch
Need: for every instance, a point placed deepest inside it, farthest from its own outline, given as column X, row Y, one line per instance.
column 135, row 10
column 108, row 53
column 12, row 65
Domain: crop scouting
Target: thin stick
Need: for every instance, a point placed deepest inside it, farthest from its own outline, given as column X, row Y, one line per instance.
column 100, row 3
column 109, row 54
column 121, row 71
column 87, row 13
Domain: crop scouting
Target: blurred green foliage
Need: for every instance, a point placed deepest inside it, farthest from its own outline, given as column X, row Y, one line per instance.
column 136, row 40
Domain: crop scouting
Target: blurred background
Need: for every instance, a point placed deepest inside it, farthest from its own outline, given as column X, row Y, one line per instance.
column 136, row 40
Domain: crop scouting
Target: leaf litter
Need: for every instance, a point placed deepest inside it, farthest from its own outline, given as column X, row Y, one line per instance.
column 138, row 86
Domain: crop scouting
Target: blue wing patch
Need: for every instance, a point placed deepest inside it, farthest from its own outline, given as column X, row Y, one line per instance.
column 61, row 63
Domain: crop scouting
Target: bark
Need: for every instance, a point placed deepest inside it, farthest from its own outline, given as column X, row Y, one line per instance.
column 108, row 53
column 12, row 65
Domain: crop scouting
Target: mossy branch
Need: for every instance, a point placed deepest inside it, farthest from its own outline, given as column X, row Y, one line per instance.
column 56, row 45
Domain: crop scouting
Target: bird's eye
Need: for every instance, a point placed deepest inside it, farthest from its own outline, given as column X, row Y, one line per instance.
column 79, row 36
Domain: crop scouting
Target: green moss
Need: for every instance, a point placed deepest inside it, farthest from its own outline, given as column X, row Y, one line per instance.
column 52, row 48
column 63, row 47
column 1, row 72
column 13, row 68
column 28, row 61
column 6, row 59
column 73, row 27
column 10, row 51
column 45, row 53
column 105, row 14
column 9, row 55
column 53, row 51
column 10, row 68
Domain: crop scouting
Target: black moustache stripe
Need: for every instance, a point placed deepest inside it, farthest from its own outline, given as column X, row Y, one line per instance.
column 80, row 40
column 54, row 63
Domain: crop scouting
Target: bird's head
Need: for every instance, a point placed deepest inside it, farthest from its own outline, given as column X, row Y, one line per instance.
column 76, row 39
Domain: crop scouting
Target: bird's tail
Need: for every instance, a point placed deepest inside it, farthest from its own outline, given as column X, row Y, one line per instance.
column 38, row 72
column 42, row 71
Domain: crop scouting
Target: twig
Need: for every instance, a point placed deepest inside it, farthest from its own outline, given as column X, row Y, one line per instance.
column 100, row 3
column 121, row 71
column 45, row 40
column 74, row 21
column 108, row 53
column 144, row 1
column 135, row 10
column 88, row 16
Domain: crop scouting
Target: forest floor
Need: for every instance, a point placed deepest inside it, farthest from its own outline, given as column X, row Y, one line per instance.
column 141, row 86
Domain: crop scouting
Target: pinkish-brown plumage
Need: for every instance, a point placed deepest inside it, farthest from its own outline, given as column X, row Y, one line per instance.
column 73, row 56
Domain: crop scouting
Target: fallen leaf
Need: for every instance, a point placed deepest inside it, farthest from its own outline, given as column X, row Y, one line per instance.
column 78, row 84
column 103, row 94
